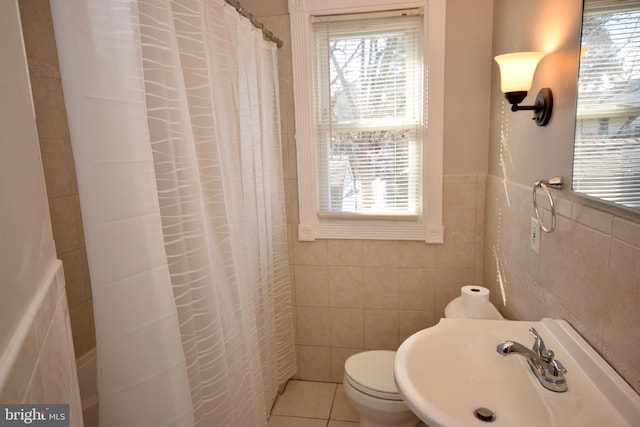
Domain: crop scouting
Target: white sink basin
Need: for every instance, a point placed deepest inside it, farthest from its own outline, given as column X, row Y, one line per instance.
column 446, row 372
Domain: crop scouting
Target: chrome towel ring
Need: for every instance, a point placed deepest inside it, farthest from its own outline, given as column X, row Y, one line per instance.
column 555, row 182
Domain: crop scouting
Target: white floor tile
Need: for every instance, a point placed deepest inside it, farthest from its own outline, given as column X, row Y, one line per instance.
column 342, row 409
column 334, row 423
column 306, row 399
column 281, row 421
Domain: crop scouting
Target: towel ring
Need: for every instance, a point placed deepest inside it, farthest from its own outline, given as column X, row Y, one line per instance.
column 557, row 183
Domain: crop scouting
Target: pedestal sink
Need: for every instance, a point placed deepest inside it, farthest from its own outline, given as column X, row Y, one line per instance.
column 451, row 375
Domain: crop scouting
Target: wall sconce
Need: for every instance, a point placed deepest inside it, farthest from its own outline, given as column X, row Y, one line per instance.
column 516, row 76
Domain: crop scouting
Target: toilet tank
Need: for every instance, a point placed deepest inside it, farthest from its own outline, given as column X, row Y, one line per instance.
column 473, row 303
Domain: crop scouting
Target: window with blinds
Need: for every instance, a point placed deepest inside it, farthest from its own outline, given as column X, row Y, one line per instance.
column 368, row 114
column 607, row 146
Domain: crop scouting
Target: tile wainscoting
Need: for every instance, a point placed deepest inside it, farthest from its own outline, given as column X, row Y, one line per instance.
column 39, row 365
column 355, row 295
column 587, row 271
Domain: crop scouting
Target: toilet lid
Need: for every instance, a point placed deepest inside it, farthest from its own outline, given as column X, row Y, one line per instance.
column 371, row 372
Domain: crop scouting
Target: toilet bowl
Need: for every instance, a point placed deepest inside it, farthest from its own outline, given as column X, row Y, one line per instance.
column 370, row 385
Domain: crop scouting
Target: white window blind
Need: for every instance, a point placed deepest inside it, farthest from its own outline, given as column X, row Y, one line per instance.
column 368, row 115
column 607, row 146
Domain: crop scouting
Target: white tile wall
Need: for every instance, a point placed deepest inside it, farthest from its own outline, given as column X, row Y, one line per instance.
column 587, row 272
column 355, row 295
column 40, row 366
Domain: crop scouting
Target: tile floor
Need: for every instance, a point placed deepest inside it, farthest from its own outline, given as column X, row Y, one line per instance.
column 313, row 404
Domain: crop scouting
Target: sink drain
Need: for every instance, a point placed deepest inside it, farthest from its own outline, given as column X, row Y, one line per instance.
column 485, row 415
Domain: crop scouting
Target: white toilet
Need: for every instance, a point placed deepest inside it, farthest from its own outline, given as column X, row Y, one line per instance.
column 368, row 376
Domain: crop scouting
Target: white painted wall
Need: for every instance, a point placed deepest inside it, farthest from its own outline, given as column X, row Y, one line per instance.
column 529, row 152
column 468, row 67
column 467, row 86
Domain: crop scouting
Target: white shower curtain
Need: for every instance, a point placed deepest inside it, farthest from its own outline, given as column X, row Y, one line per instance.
column 173, row 113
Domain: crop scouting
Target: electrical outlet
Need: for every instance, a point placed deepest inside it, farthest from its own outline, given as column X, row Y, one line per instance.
column 534, row 236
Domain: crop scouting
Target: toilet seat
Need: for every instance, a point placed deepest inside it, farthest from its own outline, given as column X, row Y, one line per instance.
column 371, row 373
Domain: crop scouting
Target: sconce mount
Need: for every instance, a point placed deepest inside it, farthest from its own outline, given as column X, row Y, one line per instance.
column 542, row 107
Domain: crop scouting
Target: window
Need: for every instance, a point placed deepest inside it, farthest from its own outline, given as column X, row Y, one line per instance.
column 369, row 161
column 368, row 115
column 607, row 145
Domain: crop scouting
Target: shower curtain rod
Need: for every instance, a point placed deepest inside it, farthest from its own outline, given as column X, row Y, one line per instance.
column 266, row 33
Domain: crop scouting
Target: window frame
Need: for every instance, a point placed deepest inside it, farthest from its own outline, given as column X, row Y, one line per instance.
column 428, row 227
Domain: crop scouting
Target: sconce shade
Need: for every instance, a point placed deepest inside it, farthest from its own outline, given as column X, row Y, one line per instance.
column 516, row 77
column 517, row 69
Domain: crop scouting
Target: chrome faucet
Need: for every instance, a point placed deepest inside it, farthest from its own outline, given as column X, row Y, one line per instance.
column 548, row 370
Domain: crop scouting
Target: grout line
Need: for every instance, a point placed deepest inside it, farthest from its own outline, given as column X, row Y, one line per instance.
column 333, row 402
column 299, row 416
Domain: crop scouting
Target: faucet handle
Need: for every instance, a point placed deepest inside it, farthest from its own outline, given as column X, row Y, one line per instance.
column 538, row 345
column 547, row 356
column 557, row 367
